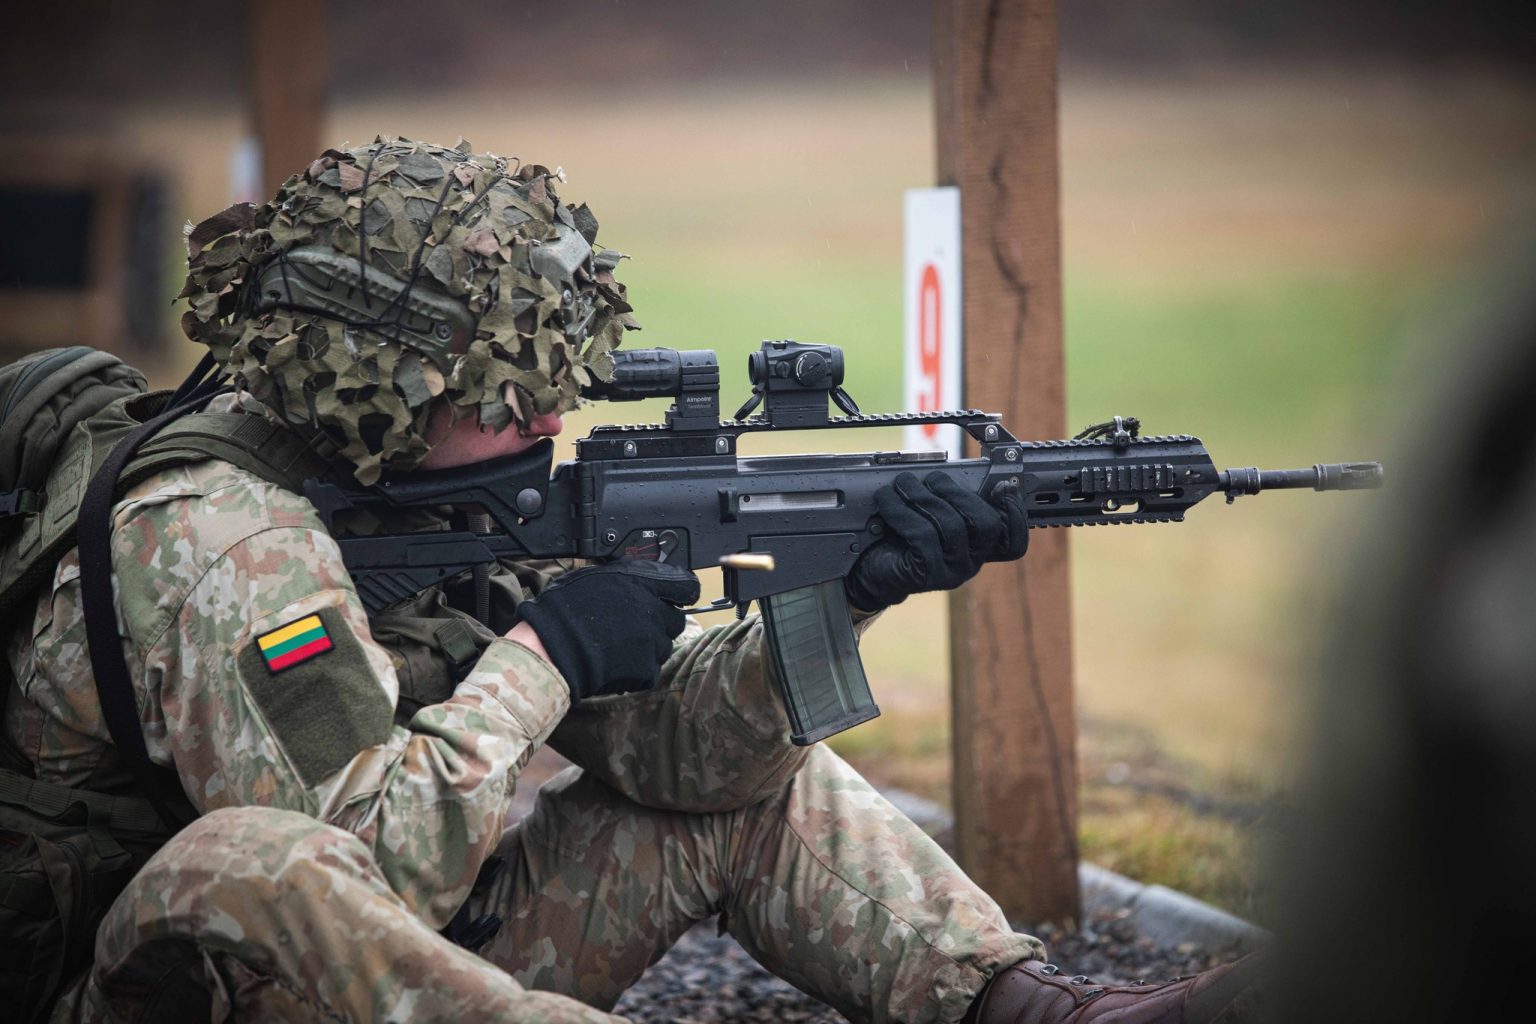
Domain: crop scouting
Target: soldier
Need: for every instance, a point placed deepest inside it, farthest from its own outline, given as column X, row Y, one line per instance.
column 406, row 306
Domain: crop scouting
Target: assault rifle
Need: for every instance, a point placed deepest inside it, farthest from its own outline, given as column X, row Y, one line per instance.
column 785, row 529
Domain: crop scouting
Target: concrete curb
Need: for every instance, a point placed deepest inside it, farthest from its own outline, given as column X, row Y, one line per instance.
column 1164, row 915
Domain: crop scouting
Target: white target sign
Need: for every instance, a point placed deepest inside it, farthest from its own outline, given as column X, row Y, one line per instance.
column 933, row 321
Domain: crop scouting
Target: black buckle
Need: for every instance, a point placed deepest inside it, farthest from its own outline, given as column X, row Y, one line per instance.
column 472, row 933
column 20, row 502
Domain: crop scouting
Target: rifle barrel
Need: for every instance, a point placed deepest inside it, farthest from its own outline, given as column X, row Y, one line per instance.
column 1325, row 476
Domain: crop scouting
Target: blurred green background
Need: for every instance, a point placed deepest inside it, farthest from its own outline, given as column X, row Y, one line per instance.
column 1259, row 214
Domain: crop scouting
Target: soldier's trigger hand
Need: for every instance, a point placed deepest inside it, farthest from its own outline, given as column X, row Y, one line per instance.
column 937, row 536
column 608, row 628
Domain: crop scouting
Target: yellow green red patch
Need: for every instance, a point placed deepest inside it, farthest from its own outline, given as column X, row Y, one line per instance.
column 287, row 646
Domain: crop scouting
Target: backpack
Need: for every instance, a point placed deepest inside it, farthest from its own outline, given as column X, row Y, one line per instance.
column 43, row 398
column 65, row 855
column 78, row 428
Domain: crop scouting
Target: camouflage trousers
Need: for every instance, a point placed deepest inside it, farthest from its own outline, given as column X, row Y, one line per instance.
column 690, row 803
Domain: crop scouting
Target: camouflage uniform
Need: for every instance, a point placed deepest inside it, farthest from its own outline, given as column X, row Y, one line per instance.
column 344, row 824
column 352, row 781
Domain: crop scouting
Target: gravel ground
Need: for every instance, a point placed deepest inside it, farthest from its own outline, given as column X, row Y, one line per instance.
column 709, row 978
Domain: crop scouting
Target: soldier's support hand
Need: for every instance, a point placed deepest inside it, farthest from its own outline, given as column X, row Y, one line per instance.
column 937, row 536
column 608, row 628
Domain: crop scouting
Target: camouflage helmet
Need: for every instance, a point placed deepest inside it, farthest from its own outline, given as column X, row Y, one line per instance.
column 387, row 280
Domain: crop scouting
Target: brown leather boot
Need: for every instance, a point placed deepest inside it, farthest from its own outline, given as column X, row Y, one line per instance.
column 1038, row 993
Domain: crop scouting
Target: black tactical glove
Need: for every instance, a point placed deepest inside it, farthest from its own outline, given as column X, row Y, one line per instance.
column 608, row 628
column 937, row 536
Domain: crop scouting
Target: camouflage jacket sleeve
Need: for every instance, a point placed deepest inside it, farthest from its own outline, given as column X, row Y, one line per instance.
column 262, row 684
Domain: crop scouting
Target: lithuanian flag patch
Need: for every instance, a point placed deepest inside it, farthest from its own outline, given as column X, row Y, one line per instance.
column 294, row 643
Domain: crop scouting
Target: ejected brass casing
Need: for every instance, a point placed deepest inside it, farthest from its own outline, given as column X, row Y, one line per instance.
column 746, row 560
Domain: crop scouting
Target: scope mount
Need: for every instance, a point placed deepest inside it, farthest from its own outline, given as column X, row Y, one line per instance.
column 792, row 383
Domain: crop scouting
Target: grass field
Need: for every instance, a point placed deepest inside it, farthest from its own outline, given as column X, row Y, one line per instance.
column 1244, row 256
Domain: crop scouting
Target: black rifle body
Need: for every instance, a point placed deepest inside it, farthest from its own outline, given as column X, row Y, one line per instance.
column 680, row 493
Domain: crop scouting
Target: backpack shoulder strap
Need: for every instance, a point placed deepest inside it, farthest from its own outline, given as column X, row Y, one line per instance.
column 254, row 443
column 114, row 684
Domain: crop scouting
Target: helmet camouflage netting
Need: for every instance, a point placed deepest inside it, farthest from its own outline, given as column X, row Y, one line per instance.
column 386, row 280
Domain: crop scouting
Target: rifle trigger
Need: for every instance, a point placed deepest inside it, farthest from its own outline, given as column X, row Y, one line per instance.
column 719, row 604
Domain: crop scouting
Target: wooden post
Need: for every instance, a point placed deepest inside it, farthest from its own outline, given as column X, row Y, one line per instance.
column 1015, row 781
column 286, row 54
